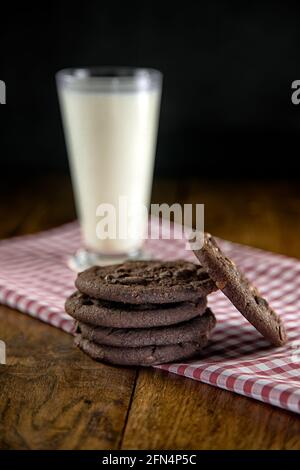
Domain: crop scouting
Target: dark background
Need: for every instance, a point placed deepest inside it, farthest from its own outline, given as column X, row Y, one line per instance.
column 228, row 69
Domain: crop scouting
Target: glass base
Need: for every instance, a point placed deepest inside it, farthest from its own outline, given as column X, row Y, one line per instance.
column 84, row 259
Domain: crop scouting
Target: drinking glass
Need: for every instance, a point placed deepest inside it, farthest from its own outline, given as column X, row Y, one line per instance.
column 110, row 119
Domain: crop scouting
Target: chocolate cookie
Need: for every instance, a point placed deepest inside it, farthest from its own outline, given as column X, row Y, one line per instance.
column 117, row 315
column 143, row 356
column 139, row 282
column 244, row 296
column 189, row 331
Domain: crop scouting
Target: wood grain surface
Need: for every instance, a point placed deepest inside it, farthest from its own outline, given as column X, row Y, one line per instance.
column 52, row 396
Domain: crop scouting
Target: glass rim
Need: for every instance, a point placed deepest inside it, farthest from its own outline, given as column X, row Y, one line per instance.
column 109, row 79
column 106, row 73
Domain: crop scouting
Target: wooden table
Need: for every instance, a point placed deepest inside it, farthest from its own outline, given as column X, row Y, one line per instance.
column 52, row 396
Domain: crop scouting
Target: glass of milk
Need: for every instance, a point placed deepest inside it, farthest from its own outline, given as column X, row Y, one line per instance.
column 110, row 118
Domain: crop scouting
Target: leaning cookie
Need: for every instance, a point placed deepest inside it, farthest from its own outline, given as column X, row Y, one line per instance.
column 139, row 282
column 244, row 296
column 141, row 356
column 117, row 315
column 190, row 331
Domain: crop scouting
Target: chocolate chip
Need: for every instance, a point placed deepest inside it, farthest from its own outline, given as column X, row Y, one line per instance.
column 184, row 273
column 132, row 280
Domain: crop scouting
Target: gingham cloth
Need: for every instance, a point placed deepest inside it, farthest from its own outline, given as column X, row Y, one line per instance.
column 35, row 279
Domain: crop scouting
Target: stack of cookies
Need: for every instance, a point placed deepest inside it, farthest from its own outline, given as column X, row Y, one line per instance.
column 142, row 312
column 151, row 312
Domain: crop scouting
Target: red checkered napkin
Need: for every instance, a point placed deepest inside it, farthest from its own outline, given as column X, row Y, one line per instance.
column 35, row 278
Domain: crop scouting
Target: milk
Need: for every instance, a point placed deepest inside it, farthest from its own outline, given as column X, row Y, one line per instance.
column 111, row 140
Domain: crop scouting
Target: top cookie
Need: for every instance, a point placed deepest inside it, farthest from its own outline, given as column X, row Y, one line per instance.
column 244, row 296
column 138, row 282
